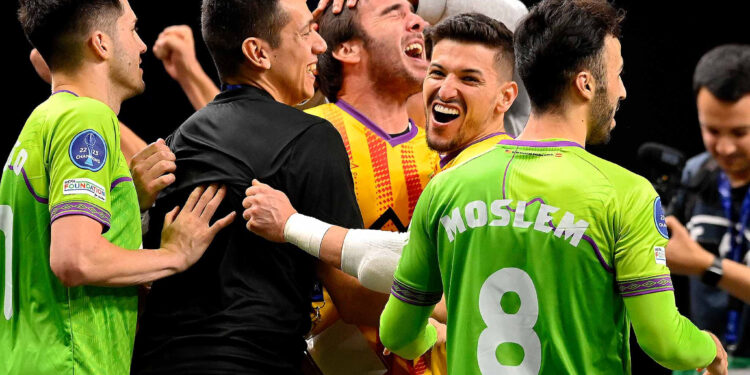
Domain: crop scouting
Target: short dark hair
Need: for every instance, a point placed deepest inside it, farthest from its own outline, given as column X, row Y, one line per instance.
column 559, row 38
column 725, row 72
column 225, row 24
column 58, row 28
column 474, row 28
column 336, row 29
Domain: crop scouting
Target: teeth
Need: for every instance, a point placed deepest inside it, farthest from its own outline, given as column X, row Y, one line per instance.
column 445, row 110
column 312, row 68
column 414, row 46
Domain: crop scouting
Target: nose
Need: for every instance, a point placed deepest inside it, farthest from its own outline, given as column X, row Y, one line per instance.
column 319, row 44
column 624, row 93
column 447, row 91
column 725, row 146
column 416, row 23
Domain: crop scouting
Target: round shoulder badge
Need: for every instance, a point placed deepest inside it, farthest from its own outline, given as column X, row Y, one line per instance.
column 661, row 224
column 88, row 150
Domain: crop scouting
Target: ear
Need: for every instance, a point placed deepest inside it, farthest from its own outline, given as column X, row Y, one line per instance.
column 585, row 85
column 257, row 52
column 349, row 52
column 506, row 96
column 101, row 45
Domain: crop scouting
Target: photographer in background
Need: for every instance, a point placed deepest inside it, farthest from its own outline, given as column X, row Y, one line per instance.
column 715, row 203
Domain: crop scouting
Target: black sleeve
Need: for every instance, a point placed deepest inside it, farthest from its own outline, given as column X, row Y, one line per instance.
column 318, row 179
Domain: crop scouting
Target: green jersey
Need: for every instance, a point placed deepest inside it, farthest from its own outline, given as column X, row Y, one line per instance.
column 535, row 245
column 67, row 161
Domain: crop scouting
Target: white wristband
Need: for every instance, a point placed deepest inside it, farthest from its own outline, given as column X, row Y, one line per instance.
column 306, row 233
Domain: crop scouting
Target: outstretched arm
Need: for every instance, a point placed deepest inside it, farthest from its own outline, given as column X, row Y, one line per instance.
column 687, row 257
column 369, row 255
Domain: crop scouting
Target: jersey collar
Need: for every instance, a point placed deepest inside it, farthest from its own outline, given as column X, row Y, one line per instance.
column 393, row 141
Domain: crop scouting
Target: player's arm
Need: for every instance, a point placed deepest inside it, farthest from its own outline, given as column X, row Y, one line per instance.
column 130, row 143
column 646, row 287
column 152, row 168
column 417, row 287
column 79, row 255
column 669, row 338
column 369, row 255
column 686, row 257
column 175, row 47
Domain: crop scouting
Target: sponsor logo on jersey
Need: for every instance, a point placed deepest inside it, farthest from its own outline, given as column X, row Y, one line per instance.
column 661, row 255
column 661, row 224
column 88, row 150
column 84, row 186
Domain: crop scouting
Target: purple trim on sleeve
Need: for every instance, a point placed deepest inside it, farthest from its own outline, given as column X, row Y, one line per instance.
column 452, row 155
column 118, row 181
column 393, row 141
column 515, row 142
column 414, row 296
column 68, row 91
column 31, row 188
column 80, row 208
column 632, row 288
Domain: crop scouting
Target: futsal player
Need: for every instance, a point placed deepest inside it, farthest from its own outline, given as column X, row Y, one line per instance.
column 69, row 214
column 544, row 252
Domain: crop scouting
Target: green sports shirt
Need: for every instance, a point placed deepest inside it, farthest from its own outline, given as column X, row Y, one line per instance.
column 67, row 161
column 537, row 247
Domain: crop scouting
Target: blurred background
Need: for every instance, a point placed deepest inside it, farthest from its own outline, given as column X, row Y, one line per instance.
column 662, row 41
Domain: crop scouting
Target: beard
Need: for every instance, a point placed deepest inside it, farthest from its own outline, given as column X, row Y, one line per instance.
column 387, row 68
column 601, row 116
column 126, row 75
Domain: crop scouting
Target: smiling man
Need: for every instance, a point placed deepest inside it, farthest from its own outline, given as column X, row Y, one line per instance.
column 244, row 309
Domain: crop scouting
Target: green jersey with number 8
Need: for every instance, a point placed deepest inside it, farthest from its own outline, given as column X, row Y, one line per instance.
column 535, row 245
column 67, row 161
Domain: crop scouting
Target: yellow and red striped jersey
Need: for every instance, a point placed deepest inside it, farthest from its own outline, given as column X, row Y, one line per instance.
column 389, row 172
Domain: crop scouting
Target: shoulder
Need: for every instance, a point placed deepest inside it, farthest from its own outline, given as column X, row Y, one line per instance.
column 323, row 110
column 698, row 169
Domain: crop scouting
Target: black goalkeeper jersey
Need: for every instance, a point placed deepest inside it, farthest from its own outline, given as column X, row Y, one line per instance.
column 243, row 308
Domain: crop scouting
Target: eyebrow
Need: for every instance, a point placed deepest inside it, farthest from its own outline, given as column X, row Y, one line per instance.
column 469, row 71
column 308, row 24
column 390, row 9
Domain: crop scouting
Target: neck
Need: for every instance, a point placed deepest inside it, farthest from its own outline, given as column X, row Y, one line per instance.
column 570, row 125
column 387, row 108
column 263, row 82
column 91, row 83
column 739, row 179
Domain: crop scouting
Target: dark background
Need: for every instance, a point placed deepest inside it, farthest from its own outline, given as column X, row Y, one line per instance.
column 661, row 45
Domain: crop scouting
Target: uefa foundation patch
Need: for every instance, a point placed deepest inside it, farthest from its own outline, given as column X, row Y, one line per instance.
column 88, row 150
column 84, row 186
column 659, row 219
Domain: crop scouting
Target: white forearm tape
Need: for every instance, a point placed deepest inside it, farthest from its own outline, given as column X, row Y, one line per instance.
column 372, row 256
column 306, row 233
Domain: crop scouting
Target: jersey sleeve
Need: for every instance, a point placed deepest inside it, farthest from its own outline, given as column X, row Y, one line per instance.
column 417, row 279
column 81, row 155
column 641, row 232
column 666, row 336
column 417, row 287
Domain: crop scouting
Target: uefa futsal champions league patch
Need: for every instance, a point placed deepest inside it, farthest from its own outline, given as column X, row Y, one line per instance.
column 659, row 219
column 88, row 150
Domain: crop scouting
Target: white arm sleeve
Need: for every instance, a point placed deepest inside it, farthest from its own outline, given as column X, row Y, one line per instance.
column 372, row 256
